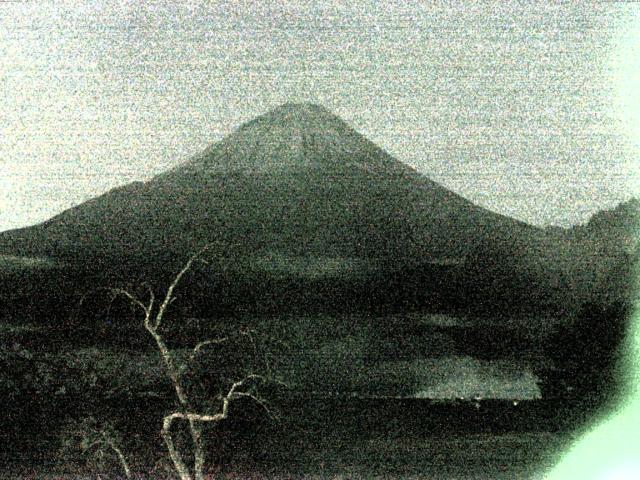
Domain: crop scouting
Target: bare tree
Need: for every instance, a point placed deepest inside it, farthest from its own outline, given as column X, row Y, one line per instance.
column 154, row 313
column 99, row 440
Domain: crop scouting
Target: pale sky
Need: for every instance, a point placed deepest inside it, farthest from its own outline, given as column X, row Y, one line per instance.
column 531, row 110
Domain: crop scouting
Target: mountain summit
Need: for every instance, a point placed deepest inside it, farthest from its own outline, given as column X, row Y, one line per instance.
column 292, row 136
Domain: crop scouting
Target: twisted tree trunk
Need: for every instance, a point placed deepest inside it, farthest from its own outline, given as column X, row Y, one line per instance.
column 152, row 321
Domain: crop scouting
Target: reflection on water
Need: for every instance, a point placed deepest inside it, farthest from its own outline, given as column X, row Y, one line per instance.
column 10, row 262
column 466, row 377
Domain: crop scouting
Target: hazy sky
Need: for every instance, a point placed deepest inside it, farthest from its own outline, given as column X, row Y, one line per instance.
column 532, row 110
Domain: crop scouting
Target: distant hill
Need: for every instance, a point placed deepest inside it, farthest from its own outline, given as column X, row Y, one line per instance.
column 617, row 228
column 611, row 236
column 299, row 205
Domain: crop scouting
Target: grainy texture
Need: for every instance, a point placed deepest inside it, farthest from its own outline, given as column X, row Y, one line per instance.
column 418, row 224
column 528, row 109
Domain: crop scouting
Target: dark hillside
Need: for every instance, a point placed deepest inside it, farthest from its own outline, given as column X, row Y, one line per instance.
column 304, row 212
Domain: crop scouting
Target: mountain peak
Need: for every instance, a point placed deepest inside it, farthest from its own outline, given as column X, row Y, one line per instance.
column 290, row 136
column 307, row 109
column 298, row 115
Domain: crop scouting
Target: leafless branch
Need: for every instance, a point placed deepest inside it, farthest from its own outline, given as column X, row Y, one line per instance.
column 244, row 388
column 260, row 401
column 132, row 298
column 169, row 295
column 89, row 293
column 104, row 439
column 152, row 296
column 231, row 395
column 205, row 343
column 121, row 458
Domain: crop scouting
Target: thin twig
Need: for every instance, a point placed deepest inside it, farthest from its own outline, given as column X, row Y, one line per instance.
column 169, row 295
column 201, row 345
column 120, row 455
column 134, row 300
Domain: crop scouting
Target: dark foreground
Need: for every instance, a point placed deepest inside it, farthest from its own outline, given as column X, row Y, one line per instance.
column 315, row 438
column 504, row 456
